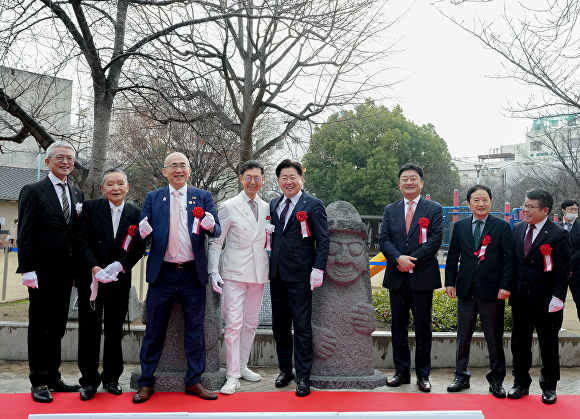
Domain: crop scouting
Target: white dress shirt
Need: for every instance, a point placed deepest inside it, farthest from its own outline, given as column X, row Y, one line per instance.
column 185, row 250
column 57, row 188
column 282, row 204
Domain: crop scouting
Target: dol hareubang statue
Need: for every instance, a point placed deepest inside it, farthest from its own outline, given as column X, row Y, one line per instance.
column 342, row 314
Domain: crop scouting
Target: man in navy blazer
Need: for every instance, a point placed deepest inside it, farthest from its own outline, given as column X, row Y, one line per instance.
column 409, row 239
column 176, row 268
column 479, row 270
column 542, row 271
column 570, row 222
column 299, row 253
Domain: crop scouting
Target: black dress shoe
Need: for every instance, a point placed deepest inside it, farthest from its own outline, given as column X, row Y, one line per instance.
column 517, row 392
column 399, row 379
column 61, row 387
column 497, row 390
column 549, row 396
column 88, row 392
column 424, row 384
column 41, row 394
column 113, row 388
column 302, row 387
column 458, row 384
column 284, row 379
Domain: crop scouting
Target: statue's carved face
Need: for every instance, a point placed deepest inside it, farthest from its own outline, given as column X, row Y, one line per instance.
column 347, row 258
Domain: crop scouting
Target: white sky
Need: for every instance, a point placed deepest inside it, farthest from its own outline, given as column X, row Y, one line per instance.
column 450, row 82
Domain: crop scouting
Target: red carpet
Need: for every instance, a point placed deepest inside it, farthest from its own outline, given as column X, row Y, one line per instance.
column 19, row 406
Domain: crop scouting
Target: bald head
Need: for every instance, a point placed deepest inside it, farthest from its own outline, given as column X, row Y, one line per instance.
column 176, row 169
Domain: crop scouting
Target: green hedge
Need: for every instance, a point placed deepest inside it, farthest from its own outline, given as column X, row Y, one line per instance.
column 444, row 315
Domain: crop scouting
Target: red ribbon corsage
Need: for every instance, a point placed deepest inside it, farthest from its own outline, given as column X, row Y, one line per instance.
column 267, row 218
column 198, row 212
column 484, row 243
column 129, row 237
column 546, row 250
column 423, row 223
column 301, row 216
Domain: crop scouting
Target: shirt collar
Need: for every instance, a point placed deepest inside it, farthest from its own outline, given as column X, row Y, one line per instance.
column 416, row 200
column 473, row 219
column 182, row 190
column 55, row 180
column 121, row 206
column 294, row 199
column 247, row 198
column 541, row 223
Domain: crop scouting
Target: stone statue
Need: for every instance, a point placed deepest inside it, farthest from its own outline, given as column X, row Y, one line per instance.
column 342, row 310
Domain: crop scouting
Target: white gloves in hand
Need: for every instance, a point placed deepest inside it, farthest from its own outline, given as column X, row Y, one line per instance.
column 208, row 221
column 316, row 278
column 144, row 228
column 270, row 228
column 114, row 269
column 555, row 305
column 30, row 279
column 216, row 279
column 103, row 277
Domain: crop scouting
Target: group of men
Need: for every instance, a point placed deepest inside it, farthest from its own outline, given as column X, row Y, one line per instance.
column 66, row 241
column 486, row 263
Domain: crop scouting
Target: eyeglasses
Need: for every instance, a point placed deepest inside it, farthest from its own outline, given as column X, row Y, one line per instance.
column 175, row 166
column 61, row 158
column 529, row 207
column 256, row 179
column 287, row 178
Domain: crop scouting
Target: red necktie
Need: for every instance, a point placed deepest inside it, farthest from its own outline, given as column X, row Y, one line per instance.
column 409, row 216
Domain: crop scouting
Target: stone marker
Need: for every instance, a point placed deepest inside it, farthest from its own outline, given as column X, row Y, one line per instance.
column 342, row 311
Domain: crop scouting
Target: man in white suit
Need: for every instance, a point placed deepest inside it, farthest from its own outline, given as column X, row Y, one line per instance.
column 242, row 271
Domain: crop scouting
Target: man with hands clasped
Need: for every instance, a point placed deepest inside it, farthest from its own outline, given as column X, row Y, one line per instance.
column 177, row 217
column 110, row 250
column 479, row 270
column 242, row 271
column 299, row 255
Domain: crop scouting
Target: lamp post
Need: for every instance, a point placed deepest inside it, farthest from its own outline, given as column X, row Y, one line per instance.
column 478, row 167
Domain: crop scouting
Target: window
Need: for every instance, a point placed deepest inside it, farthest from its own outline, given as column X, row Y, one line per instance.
column 536, row 146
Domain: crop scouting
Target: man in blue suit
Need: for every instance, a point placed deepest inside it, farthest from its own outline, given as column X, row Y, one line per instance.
column 299, row 253
column 177, row 218
column 409, row 239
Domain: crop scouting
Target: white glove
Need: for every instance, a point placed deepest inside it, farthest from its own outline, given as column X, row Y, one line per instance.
column 114, row 269
column 144, row 228
column 555, row 305
column 8, row 238
column 270, row 228
column 30, row 279
column 103, row 277
column 208, row 221
column 216, row 279
column 316, row 278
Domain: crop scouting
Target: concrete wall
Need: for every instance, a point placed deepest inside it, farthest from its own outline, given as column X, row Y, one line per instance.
column 13, row 347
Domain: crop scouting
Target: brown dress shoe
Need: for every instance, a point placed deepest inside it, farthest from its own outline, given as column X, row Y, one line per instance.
column 201, row 392
column 143, row 394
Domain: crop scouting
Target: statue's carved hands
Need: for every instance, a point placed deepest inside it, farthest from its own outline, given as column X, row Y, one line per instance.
column 363, row 319
column 324, row 342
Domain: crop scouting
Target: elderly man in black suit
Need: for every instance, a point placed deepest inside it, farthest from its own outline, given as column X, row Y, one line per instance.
column 542, row 270
column 409, row 239
column 479, row 270
column 299, row 254
column 110, row 250
column 569, row 222
column 47, row 214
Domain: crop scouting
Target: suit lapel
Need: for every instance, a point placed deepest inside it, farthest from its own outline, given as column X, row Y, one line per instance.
column 419, row 211
column 300, row 205
column 274, row 213
column 466, row 232
column 244, row 209
column 107, row 221
column 541, row 237
column 53, row 199
column 487, row 228
column 575, row 228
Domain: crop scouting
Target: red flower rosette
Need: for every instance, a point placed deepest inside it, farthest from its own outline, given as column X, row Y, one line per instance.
column 198, row 213
column 129, row 237
column 484, row 243
column 546, row 250
column 301, row 216
column 423, row 224
column 267, row 218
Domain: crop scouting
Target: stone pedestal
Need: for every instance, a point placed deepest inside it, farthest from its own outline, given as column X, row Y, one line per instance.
column 173, row 365
column 342, row 311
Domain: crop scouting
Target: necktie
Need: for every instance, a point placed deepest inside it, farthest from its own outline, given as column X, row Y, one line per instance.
column 283, row 213
column 477, row 233
column 116, row 218
column 65, row 205
column 529, row 238
column 409, row 216
column 173, row 240
column 254, row 207
column 568, row 226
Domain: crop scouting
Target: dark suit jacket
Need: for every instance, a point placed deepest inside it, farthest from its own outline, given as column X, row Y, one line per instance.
column 97, row 244
column 495, row 272
column 531, row 284
column 156, row 208
column 395, row 242
column 574, row 249
column 293, row 255
column 45, row 241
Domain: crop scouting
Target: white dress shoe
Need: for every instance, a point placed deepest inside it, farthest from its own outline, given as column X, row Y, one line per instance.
column 230, row 387
column 249, row 375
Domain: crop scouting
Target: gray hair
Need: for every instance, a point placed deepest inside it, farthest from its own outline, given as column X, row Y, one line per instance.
column 114, row 170
column 50, row 149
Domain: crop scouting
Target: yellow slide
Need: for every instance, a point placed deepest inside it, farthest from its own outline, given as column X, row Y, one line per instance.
column 375, row 269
